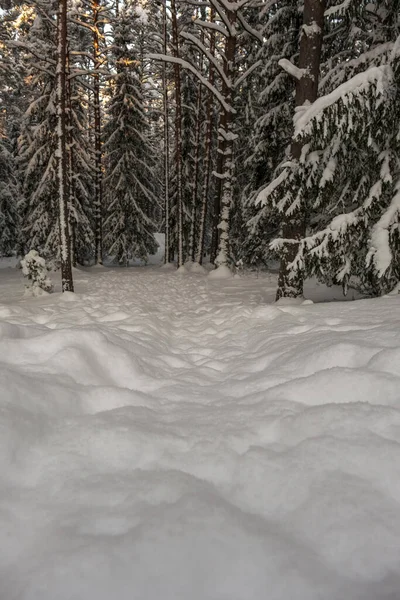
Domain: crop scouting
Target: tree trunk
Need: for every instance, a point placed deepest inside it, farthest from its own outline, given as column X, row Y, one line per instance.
column 207, row 153
column 178, row 132
column 62, row 157
column 216, row 209
column 71, row 169
column 192, row 240
column 227, row 137
column 98, row 175
column 166, row 141
column 294, row 225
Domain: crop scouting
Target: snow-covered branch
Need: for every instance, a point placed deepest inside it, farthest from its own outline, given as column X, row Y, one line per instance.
column 31, row 50
column 223, row 16
column 380, row 76
column 339, row 8
column 212, row 25
column 291, row 69
column 187, row 65
column 194, row 40
column 267, row 191
column 380, row 252
column 250, row 30
column 244, row 75
column 196, row 3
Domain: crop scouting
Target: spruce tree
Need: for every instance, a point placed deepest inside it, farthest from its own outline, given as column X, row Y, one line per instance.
column 37, row 144
column 11, row 105
column 271, row 132
column 79, row 139
column 129, row 178
column 9, row 191
column 347, row 177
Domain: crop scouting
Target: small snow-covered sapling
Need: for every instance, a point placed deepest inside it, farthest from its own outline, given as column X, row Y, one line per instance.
column 35, row 269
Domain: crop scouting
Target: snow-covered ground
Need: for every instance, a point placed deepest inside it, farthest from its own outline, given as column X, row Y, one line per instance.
column 168, row 437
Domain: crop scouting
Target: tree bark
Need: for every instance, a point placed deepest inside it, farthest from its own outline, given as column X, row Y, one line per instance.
column 207, row 153
column 178, row 131
column 294, row 225
column 98, row 174
column 62, row 156
column 71, row 169
column 192, row 237
column 216, row 209
column 227, row 138
column 166, row 141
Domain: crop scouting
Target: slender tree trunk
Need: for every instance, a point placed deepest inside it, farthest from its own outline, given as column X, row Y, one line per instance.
column 166, row 141
column 227, row 137
column 294, row 225
column 207, row 152
column 178, row 132
column 62, row 157
column 98, row 175
column 216, row 210
column 192, row 240
column 71, row 170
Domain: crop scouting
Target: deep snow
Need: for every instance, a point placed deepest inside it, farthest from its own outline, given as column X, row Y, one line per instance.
column 170, row 437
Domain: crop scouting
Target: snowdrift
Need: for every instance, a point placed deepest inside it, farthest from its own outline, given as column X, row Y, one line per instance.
column 179, row 438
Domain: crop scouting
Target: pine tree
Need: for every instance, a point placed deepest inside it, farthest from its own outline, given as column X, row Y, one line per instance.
column 9, row 220
column 271, row 133
column 37, row 144
column 347, row 177
column 80, row 159
column 81, row 185
column 307, row 78
column 11, row 103
column 129, row 157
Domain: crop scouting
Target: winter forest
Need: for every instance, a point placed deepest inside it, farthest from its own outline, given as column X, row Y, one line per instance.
column 199, row 299
column 245, row 131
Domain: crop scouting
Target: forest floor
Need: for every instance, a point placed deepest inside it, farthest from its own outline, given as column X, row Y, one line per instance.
column 164, row 436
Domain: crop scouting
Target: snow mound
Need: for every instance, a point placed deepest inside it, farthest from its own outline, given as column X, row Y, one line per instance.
column 182, row 270
column 197, row 268
column 221, row 272
column 166, row 438
column 69, row 297
column 290, row 301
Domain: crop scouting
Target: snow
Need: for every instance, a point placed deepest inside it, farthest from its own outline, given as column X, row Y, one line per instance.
column 197, row 268
column 35, row 270
column 216, row 64
column 311, row 30
column 141, row 14
column 263, row 196
column 337, row 9
column 156, row 259
column 194, row 267
column 211, row 25
column 380, row 250
column 291, row 69
column 184, row 438
column 182, row 270
column 306, row 114
column 186, row 65
column 221, row 272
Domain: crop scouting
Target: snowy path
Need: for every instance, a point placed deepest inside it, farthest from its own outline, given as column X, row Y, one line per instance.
column 172, row 438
